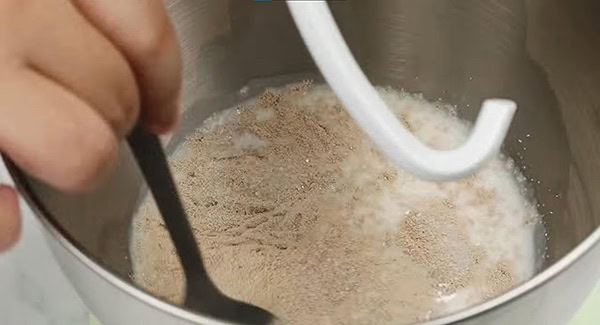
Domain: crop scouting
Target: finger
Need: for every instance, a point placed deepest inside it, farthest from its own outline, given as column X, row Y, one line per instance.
column 143, row 32
column 78, row 56
column 10, row 224
column 51, row 133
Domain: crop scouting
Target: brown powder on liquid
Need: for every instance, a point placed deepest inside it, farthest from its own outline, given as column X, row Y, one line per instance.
column 285, row 202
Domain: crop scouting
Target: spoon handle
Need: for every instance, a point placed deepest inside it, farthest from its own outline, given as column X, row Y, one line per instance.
column 201, row 293
column 153, row 163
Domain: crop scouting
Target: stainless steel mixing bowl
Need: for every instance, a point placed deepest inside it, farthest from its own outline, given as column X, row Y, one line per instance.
column 541, row 53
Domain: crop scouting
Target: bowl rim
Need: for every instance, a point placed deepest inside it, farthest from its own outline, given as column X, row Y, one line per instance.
column 64, row 239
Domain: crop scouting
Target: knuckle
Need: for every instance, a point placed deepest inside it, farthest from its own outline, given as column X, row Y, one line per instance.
column 154, row 40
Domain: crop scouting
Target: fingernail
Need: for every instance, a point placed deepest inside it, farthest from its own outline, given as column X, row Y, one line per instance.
column 165, row 120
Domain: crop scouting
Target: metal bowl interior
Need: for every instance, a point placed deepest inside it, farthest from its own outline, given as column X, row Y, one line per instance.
column 540, row 53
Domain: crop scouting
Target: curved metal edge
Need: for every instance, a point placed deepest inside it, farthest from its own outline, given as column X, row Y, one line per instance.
column 68, row 243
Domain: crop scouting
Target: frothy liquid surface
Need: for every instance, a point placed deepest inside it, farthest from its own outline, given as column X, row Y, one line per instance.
column 296, row 211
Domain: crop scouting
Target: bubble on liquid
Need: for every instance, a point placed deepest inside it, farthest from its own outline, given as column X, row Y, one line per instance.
column 244, row 91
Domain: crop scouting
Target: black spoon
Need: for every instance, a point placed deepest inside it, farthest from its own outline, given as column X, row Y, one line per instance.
column 201, row 293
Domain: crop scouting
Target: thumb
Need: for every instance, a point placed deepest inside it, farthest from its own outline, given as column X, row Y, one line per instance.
column 10, row 223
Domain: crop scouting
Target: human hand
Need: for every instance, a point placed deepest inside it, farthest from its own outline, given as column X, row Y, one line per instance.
column 73, row 76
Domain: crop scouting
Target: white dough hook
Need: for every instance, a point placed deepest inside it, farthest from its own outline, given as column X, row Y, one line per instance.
column 335, row 61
